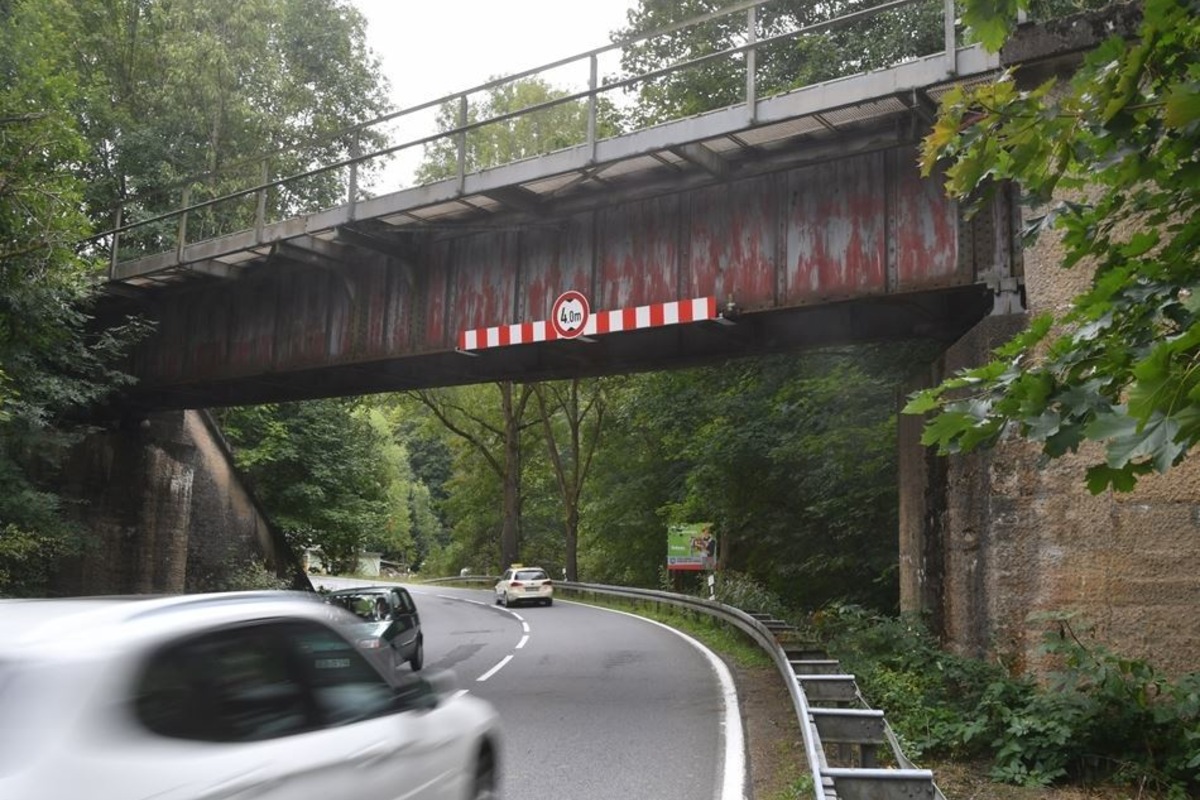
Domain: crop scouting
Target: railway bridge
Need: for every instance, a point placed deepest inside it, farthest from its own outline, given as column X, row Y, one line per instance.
column 782, row 222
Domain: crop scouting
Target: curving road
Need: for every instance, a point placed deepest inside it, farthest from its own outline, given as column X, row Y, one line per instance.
column 596, row 704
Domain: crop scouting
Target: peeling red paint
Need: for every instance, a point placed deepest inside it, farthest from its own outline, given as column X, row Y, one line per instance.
column 795, row 238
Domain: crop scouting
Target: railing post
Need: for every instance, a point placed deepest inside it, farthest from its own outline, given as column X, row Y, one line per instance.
column 352, row 188
column 592, row 103
column 181, row 237
column 260, row 210
column 951, row 42
column 116, row 241
column 751, row 64
column 462, row 142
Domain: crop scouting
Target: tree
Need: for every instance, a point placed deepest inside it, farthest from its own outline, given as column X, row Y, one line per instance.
column 196, row 93
column 470, row 415
column 321, row 471
column 579, row 409
column 792, row 458
column 1111, row 160
column 521, row 136
column 798, row 61
column 52, row 366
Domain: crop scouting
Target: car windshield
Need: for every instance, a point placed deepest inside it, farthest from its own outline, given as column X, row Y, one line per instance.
column 530, row 575
column 370, row 607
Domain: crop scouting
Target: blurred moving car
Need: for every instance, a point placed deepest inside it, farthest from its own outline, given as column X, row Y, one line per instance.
column 238, row 695
column 388, row 625
column 521, row 584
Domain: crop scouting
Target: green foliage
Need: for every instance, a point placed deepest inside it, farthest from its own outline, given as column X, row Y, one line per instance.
column 743, row 592
column 1112, row 161
column 320, row 471
column 792, row 458
column 553, row 126
column 1095, row 716
column 52, row 366
column 194, row 93
column 930, row 696
column 238, row 576
column 798, row 61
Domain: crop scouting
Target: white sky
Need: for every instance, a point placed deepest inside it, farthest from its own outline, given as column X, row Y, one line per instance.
column 432, row 48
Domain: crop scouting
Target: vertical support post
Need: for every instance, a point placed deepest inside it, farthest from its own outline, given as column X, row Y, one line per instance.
column 593, row 81
column 951, row 42
column 260, row 210
column 352, row 182
column 181, row 236
column 751, row 64
column 462, row 142
column 116, row 241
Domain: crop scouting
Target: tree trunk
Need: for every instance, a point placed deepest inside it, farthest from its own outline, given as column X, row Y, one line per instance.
column 511, row 475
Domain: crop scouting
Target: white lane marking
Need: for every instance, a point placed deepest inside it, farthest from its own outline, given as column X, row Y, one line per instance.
column 732, row 785
column 520, row 644
column 494, row 669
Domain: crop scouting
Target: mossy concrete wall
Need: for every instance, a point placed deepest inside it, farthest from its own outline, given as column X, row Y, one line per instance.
column 164, row 512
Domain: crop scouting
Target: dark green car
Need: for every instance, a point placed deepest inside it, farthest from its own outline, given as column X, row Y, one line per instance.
column 389, row 627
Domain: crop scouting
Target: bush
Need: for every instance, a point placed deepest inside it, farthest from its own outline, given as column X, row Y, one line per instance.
column 1096, row 716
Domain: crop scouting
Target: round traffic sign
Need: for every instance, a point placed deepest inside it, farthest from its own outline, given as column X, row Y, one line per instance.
column 569, row 314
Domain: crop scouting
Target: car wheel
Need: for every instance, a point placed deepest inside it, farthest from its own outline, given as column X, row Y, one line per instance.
column 418, row 659
column 485, row 778
column 498, row 600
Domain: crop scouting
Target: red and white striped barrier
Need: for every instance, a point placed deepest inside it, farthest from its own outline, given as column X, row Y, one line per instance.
column 675, row 312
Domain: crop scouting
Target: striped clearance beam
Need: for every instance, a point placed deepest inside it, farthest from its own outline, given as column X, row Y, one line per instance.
column 676, row 312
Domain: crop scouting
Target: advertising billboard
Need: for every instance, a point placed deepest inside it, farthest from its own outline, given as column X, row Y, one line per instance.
column 691, row 546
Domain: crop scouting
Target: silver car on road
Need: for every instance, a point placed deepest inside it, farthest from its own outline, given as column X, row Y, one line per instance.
column 223, row 696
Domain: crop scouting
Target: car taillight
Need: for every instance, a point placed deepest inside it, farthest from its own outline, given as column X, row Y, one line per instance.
column 547, row 583
column 516, row 584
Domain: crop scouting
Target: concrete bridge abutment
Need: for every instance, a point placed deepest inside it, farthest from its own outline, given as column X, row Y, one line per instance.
column 166, row 512
column 994, row 544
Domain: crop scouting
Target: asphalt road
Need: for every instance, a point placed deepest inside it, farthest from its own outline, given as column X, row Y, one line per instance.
column 596, row 704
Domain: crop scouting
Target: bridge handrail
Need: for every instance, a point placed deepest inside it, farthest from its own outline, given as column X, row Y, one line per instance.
column 756, row 630
column 591, row 94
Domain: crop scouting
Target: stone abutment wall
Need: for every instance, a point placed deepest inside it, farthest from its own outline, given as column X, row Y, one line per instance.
column 166, row 512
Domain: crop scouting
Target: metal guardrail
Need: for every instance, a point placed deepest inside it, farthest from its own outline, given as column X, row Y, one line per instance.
column 832, row 714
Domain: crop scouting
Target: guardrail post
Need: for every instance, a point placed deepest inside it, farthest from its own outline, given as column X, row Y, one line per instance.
column 593, row 80
column 181, row 236
column 752, row 64
column 260, row 210
column 462, row 142
column 116, row 241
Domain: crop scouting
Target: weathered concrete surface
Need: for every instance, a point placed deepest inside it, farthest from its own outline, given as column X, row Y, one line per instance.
column 167, row 513
column 990, row 541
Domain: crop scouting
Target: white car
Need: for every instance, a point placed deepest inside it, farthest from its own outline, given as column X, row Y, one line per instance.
column 521, row 584
column 222, row 696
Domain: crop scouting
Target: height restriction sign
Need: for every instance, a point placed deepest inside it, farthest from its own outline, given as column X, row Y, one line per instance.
column 569, row 314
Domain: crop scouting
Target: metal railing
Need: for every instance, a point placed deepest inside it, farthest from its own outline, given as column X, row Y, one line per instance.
column 347, row 171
